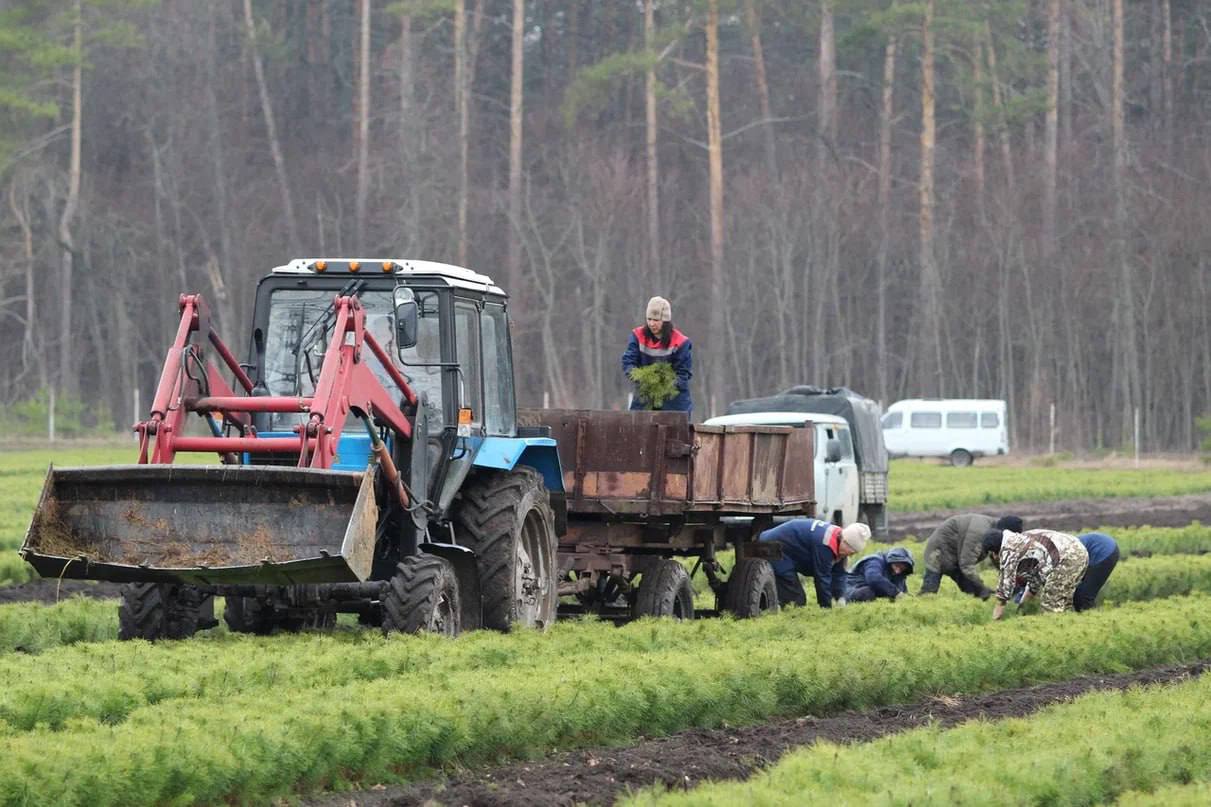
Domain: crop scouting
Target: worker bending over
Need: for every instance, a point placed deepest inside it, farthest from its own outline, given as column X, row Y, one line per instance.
column 818, row 550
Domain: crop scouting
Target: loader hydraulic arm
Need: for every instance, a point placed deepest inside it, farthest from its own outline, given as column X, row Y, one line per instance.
column 190, row 383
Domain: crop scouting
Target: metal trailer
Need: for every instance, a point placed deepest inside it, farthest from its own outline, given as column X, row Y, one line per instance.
column 643, row 488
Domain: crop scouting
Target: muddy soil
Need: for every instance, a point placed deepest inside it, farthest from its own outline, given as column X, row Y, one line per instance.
column 1069, row 516
column 49, row 592
column 601, row 775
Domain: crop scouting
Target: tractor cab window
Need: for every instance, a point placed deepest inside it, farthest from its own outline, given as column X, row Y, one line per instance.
column 422, row 360
column 470, row 378
column 300, row 328
column 500, row 408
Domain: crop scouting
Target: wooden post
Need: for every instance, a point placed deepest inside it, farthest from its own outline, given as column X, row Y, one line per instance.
column 1051, row 440
column 1136, row 439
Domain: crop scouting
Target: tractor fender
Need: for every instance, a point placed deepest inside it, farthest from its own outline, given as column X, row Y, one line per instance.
column 539, row 453
column 466, row 571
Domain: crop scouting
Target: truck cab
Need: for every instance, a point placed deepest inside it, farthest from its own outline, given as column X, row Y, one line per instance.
column 836, row 470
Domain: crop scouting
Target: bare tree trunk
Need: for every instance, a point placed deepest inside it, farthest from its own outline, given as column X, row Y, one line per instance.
column 31, row 353
column 1167, row 74
column 651, row 132
column 362, row 118
column 753, row 21
column 886, row 114
column 930, row 283
column 999, row 103
column 979, row 145
column 1051, row 137
column 515, row 141
column 462, row 105
column 227, row 316
column 409, row 132
column 715, row 156
column 1125, row 324
column 826, row 129
column 1065, row 102
column 68, row 372
column 275, row 148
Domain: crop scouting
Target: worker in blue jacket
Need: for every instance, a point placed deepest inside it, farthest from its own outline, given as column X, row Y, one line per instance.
column 658, row 341
column 818, row 550
column 1103, row 557
column 884, row 574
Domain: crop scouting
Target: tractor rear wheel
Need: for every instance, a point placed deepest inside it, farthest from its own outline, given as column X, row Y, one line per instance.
column 163, row 611
column 665, row 590
column 505, row 517
column 752, row 589
column 422, row 596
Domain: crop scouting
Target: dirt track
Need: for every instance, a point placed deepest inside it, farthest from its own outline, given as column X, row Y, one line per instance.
column 1167, row 511
column 51, row 591
column 600, row 775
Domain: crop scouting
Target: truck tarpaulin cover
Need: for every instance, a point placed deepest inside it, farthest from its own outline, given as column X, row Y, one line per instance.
column 861, row 413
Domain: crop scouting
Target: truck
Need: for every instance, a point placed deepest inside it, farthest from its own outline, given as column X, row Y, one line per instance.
column 851, row 461
column 368, row 459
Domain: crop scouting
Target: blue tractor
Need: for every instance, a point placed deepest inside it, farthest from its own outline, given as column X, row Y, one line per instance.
column 369, row 462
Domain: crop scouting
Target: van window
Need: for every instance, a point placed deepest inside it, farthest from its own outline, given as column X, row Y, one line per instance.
column 892, row 420
column 961, row 420
column 926, row 420
column 989, row 420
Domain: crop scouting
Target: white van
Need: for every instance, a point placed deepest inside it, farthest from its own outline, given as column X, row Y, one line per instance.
column 836, row 474
column 958, row 428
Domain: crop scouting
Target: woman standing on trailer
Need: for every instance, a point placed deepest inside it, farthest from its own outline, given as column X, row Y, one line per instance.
column 655, row 342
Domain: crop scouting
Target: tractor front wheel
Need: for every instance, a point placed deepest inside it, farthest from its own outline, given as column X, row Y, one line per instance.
column 154, row 611
column 422, row 596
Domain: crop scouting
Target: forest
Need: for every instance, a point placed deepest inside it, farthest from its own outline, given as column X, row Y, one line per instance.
column 960, row 198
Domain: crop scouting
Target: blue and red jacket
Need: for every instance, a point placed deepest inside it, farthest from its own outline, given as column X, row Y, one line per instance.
column 810, row 547
column 643, row 350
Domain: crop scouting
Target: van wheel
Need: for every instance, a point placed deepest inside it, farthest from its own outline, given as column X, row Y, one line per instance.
column 960, row 458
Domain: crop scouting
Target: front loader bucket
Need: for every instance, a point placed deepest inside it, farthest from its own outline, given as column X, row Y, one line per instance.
column 217, row 524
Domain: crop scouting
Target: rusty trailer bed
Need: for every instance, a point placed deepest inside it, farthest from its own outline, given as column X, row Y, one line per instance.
column 628, row 466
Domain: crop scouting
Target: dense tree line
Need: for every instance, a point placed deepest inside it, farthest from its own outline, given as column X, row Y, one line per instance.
column 994, row 198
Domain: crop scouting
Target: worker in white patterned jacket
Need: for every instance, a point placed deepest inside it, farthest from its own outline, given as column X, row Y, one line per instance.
column 1050, row 565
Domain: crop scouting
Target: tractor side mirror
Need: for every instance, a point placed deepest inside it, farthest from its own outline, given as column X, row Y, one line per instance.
column 405, row 318
column 832, row 451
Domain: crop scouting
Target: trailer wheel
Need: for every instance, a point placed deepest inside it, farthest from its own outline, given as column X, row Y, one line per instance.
column 163, row 611
column 506, row 519
column 422, row 595
column 665, row 590
column 751, row 589
column 960, row 458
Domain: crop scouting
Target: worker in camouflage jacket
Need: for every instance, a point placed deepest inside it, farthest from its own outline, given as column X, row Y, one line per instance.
column 956, row 548
column 1050, row 565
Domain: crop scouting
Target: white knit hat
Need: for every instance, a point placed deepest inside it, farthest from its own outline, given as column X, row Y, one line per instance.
column 659, row 308
column 855, row 536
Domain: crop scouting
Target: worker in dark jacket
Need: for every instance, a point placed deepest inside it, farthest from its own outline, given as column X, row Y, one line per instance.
column 1103, row 557
column 658, row 341
column 956, row 548
column 884, row 574
column 818, row 550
